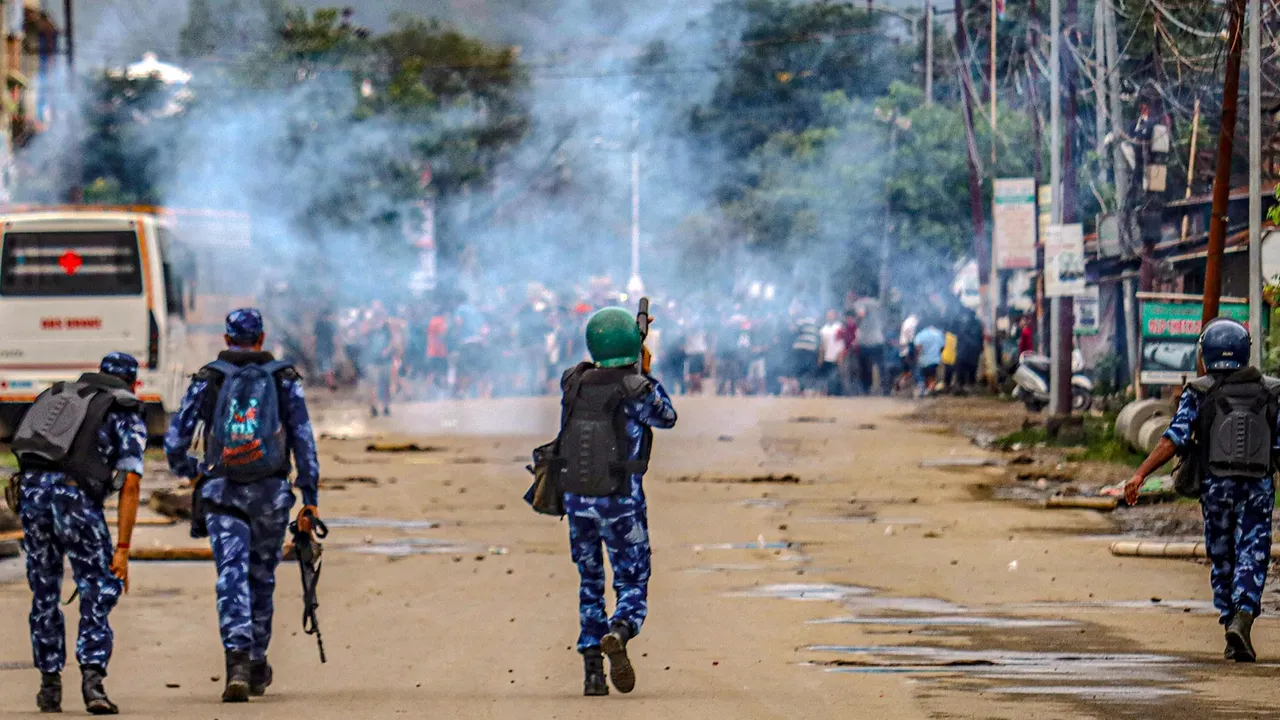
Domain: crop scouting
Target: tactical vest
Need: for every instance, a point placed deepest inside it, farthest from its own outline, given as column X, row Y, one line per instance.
column 60, row 431
column 593, row 446
column 1235, row 428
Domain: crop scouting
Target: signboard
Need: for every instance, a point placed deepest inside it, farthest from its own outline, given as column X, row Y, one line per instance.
column 1064, row 260
column 1170, row 331
column 1087, row 310
column 1014, row 217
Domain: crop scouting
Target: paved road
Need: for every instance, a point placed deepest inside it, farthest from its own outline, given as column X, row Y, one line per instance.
column 871, row 588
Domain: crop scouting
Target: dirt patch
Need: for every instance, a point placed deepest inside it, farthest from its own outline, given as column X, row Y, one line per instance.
column 769, row 479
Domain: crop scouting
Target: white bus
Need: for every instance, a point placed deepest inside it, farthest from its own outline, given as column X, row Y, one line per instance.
column 78, row 282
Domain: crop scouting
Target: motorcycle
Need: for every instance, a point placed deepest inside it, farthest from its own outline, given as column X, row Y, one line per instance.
column 1031, row 382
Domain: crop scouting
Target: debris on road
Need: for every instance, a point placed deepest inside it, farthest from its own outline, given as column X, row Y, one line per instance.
column 770, row 479
column 384, row 447
column 812, row 419
column 172, row 503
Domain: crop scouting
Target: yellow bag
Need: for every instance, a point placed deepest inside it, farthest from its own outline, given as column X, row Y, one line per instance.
column 949, row 350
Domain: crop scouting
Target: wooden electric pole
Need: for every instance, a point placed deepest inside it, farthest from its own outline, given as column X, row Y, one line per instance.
column 1222, row 175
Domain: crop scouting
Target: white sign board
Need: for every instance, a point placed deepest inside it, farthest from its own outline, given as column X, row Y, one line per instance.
column 1064, row 260
column 1087, row 312
column 1014, row 216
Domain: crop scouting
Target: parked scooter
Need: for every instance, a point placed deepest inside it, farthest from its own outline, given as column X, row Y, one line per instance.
column 1031, row 381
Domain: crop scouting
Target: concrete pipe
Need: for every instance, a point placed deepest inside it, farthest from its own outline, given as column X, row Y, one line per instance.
column 1134, row 415
column 1149, row 434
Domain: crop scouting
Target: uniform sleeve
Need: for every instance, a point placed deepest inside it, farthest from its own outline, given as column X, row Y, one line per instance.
column 1179, row 431
column 302, row 442
column 182, row 430
column 655, row 409
column 129, row 435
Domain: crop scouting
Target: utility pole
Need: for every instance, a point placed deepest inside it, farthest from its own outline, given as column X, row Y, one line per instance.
column 76, row 165
column 928, row 52
column 976, row 211
column 1068, row 211
column 1222, row 175
column 1255, row 183
column 1055, row 182
column 6, row 122
column 993, row 88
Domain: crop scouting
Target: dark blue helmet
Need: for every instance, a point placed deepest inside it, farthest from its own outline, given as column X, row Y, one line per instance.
column 1224, row 345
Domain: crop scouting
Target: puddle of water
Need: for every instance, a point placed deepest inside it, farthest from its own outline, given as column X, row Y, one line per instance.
column 947, row 621
column 803, row 591
column 1196, row 606
column 742, row 546
column 355, row 522
column 1022, row 665
column 767, row 503
column 416, row 546
column 961, row 462
column 1097, row 692
column 725, row 568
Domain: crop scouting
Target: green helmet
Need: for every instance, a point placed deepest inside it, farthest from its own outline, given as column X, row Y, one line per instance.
column 613, row 338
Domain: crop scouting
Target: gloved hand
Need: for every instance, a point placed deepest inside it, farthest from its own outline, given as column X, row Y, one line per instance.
column 304, row 517
column 646, row 360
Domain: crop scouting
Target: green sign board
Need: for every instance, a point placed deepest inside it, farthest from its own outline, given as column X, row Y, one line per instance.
column 1170, row 331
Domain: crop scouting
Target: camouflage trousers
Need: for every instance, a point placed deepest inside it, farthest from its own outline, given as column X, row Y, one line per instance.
column 622, row 529
column 247, row 554
column 58, row 520
column 1237, row 534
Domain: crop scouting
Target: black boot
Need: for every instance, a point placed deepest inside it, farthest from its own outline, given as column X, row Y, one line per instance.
column 237, row 689
column 259, row 677
column 1238, row 639
column 615, row 646
column 593, row 683
column 1229, row 653
column 95, row 697
column 50, row 698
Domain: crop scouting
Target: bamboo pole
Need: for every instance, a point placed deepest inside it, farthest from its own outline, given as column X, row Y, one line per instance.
column 1161, row 549
column 160, row 552
column 151, row 521
column 1083, row 502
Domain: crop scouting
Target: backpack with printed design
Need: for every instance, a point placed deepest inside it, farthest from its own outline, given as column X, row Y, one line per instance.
column 246, row 435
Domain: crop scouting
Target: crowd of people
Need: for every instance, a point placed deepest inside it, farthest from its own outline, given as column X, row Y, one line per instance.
column 443, row 348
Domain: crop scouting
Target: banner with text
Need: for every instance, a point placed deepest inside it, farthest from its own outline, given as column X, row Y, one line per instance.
column 1170, row 334
column 1064, row 260
column 1013, row 214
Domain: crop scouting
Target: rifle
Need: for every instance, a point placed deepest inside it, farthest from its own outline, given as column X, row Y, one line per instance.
column 308, row 552
column 642, row 317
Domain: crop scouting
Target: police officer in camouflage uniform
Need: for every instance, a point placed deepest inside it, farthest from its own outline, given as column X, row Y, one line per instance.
column 605, row 503
column 246, row 522
column 61, row 511
column 1227, row 422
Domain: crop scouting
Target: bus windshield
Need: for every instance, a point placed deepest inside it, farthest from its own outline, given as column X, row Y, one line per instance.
column 61, row 264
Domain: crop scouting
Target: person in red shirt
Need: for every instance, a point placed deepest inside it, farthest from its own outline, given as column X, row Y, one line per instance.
column 1026, row 336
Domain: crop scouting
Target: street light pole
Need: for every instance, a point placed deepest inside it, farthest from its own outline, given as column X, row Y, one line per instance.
column 1055, row 183
column 1255, row 182
column 635, row 286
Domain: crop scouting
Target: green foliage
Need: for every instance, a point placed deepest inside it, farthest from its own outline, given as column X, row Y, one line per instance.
column 121, row 158
column 1100, row 445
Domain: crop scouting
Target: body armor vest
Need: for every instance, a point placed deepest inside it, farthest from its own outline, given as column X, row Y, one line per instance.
column 60, row 431
column 593, row 447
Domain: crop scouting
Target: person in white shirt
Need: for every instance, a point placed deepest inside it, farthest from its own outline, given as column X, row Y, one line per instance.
column 833, row 349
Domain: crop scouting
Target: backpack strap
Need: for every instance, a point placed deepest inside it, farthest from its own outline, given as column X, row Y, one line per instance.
column 1204, row 384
